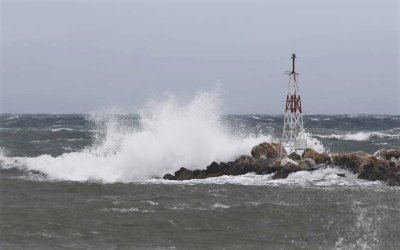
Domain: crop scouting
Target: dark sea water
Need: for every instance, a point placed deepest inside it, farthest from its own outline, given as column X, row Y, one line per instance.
column 93, row 182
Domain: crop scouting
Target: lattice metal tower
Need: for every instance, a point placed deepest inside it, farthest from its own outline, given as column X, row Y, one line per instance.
column 293, row 136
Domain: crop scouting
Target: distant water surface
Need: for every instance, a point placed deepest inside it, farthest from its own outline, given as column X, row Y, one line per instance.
column 79, row 181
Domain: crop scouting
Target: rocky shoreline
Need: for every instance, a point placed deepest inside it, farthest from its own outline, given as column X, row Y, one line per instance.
column 384, row 165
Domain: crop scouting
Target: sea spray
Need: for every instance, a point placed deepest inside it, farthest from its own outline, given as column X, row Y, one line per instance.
column 171, row 136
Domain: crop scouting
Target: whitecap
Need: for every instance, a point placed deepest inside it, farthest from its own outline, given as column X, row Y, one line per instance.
column 44, row 141
column 219, row 206
column 171, row 135
column 121, row 210
column 359, row 136
column 61, row 129
column 153, row 203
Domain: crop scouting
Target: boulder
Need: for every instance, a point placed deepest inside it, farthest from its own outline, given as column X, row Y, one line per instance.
column 319, row 158
column 200, row 174
column 294, row 156
column 215, row 169
column 184, row 174
column 243, row 165
column 265, row 159
column 350, row 161
column 245, row 160
column 264, row 166
column 285, row 170
column 395, row 180
column 169, row 177
column 371, row 169
column 307, row 164
column 394, row 162
column 288, row 160
column 268, row 151
column 279, row 148
column 387, row 154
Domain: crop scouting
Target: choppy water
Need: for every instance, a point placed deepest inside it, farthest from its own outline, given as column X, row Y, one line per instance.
column 78, row 181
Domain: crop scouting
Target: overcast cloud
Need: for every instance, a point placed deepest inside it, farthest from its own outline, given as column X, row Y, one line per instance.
column 80, row 56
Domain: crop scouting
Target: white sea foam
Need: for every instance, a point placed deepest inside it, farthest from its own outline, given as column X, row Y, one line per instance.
column 359, row 136
column 323, row 177
column 153, row 203
column 74, row 139
column 121, row 210
column 13, row 117
column 172, row 135
column 366, row 230
column 314, row 143
column 252, row 203
column 44, row 141
column 219, row 206
column 61, row 129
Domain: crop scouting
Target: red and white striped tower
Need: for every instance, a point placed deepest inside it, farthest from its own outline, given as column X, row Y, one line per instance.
column 293, row 136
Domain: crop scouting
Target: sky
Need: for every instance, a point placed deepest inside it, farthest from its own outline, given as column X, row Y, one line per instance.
column 84, row 56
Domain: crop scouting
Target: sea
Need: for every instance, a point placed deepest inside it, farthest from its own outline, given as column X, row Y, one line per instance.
column 94, row 181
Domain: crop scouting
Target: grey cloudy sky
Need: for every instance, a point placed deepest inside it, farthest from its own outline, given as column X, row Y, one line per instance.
column 81, row 56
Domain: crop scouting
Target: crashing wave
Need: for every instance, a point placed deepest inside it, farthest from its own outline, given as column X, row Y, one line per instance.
column 171, row 136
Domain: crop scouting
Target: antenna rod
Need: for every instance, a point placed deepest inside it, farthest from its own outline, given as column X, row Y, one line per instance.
column 293, row 58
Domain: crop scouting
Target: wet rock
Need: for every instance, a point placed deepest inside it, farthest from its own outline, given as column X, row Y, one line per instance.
column 243, row 165
column 387, row 154
column 395, row 180
column 319, row 158
column 184, row 174
column 268, row 151
column 242, row 169
column 371, row 169
column 288, row 160
column 350, row 161
column 284, row 171
column 341, row 175
column 307, row 164
column 265, row 159
column 280, row 149
column 245, row 160
column 169, row 177
column 215, row 169
column 294, row 156
column 368, row 167
column 394, row 162
column 199, row 174
column 264, row 166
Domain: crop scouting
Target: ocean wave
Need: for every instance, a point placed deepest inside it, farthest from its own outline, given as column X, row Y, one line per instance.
column 171, row 136
column 359, row 136
column 13, row 117
column 69, row 139
column 219, row 206
column 44, row 141
column 127, row 210
column 61, row 129
column 152, row 203
column 74, row 139
column 314, row 143
column 121, row 210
